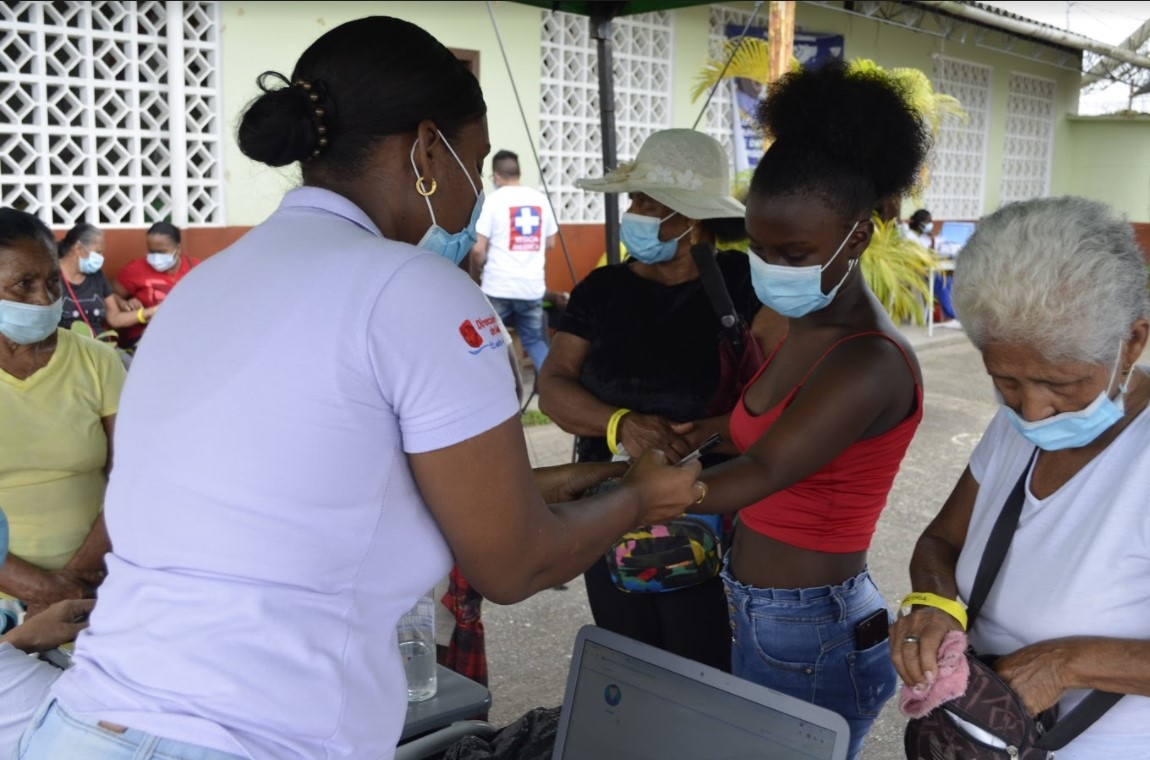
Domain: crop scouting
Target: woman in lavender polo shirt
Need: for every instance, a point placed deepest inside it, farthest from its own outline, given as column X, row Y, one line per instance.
column 321, row 419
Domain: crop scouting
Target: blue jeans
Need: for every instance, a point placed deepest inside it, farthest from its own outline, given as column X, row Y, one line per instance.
column 942, row 283
column 55, row 733
column 527, row 317
column 801, row 642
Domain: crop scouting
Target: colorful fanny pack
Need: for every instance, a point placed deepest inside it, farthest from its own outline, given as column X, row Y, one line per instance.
column 658, row 558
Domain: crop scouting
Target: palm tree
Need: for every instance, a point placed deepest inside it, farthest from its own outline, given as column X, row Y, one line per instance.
column 751, row 60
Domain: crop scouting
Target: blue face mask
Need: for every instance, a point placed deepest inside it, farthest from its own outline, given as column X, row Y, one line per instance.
column 640, row 234
column 162, row 262
column 93, row 263
column 796, row 291
column 26, row 323
column 1071, row 430
column 451, row 246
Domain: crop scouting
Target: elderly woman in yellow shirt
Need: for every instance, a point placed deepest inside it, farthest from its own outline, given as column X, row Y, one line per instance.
column 59, row 392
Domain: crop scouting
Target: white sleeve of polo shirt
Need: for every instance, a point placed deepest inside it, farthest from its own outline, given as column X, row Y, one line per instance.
column 439, row 356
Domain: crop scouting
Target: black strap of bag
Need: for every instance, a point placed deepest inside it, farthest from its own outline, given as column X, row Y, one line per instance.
column 1096, row 702
column 716, row 289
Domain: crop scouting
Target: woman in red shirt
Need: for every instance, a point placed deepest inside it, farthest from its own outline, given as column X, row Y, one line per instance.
column 823, row 427
column 150, row 279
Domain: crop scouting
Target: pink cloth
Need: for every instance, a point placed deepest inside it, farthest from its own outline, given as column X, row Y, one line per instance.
column 950, row 683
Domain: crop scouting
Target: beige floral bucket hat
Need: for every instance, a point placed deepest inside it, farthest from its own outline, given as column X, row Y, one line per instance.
column 685, row 170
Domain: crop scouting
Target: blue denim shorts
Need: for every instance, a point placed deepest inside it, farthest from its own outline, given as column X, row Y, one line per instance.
column 54, row 733
column 801, row 642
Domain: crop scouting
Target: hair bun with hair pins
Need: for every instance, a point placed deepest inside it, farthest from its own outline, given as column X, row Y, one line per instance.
column 358, row 83
column 285, row 124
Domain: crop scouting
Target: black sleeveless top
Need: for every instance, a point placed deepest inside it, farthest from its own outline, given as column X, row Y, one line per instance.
column 654, row 348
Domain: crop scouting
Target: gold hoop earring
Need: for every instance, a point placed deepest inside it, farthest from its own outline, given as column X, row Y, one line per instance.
column 419, row 187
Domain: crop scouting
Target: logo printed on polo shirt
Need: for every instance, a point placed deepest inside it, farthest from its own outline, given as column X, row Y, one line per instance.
column 526, row 228
column 473, row 332
column 470, row 334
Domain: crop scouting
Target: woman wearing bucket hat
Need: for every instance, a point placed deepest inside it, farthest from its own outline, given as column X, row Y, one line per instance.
column 636, row 355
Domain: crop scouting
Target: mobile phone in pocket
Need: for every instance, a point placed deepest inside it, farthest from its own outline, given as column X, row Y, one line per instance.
column 872, row 630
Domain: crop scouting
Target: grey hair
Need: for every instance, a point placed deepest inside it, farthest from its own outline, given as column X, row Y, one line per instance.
column 1063, row 275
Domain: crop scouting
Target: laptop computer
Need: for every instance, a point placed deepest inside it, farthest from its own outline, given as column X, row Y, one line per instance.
column 629, row 700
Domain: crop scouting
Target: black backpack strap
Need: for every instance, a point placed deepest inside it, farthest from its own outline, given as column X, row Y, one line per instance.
column 1096, row 703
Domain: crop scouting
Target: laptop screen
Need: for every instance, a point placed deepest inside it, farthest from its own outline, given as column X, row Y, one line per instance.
column 627, row 706
column 956, row 233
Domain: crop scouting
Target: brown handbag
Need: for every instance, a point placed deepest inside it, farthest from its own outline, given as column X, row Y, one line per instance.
column 990, row 706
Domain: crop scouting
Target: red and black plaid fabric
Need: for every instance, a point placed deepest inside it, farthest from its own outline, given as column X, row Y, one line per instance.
column 467, row 654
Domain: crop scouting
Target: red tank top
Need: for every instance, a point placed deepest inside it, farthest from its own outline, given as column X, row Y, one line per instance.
column 836, row 508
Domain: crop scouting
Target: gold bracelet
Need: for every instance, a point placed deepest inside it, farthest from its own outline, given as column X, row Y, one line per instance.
column 925, row 599
column 613, row 429
column 140, row 316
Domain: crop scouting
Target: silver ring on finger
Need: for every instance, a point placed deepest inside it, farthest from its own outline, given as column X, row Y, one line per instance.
column 910, row 639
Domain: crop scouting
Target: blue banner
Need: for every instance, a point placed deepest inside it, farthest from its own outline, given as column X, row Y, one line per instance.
column 810, row 48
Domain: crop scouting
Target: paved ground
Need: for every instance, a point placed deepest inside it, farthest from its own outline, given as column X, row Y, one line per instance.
column 529, row 644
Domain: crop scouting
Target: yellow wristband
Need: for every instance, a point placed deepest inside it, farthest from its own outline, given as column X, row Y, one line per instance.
column 925, row 599
column 140, row 316
column 613, row 429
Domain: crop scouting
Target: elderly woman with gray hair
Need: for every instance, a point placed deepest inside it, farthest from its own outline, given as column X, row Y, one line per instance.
column 1053, row 294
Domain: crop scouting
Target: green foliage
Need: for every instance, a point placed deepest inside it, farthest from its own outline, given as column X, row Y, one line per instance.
column 750, row 60
column 534, row 418
column 897, row 269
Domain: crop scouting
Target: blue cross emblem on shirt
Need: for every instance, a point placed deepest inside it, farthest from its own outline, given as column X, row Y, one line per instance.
column 527, row 221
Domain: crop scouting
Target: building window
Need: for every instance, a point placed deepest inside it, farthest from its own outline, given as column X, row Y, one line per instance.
column 110, row 112
column 570, row 144
column 958, row 162
column 1029, row 138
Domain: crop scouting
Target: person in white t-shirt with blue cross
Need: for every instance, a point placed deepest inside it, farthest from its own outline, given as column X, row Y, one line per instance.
column 515, row 231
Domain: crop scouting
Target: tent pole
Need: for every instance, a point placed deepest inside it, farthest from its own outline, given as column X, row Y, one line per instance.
column 601, row 32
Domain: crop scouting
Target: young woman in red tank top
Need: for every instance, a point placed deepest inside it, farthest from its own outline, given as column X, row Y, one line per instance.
column 823, row 427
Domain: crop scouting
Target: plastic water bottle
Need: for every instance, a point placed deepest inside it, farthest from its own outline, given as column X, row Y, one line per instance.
column 416, row 632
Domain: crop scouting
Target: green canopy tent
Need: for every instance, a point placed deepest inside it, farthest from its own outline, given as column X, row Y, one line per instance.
column 601, row 14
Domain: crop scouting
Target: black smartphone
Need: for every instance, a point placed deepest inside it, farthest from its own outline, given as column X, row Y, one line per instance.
column 871, row 630
column 704, row 447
